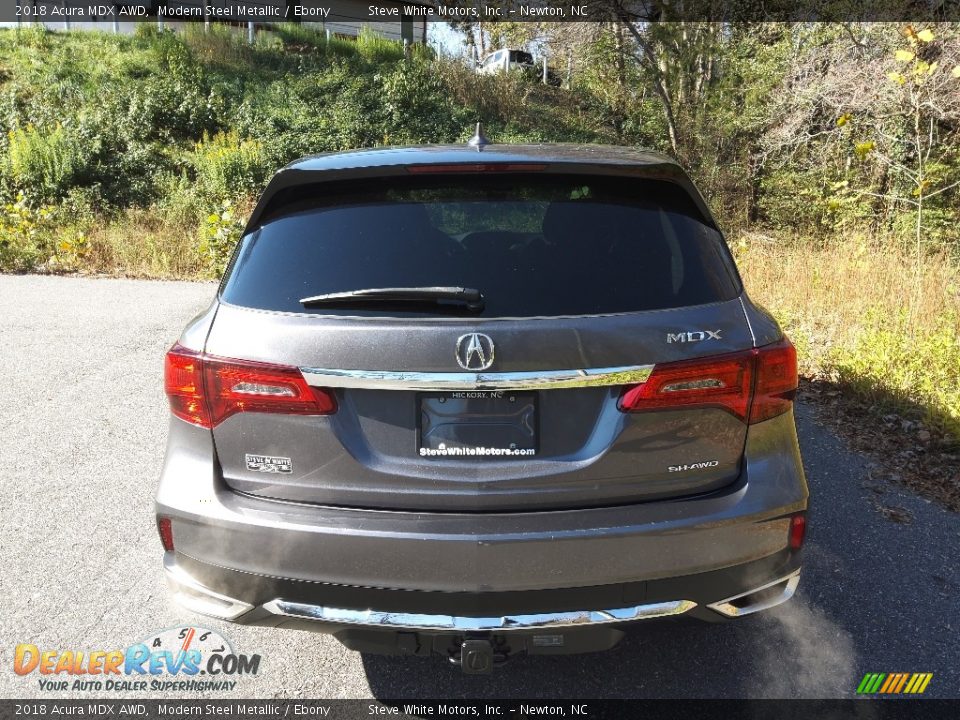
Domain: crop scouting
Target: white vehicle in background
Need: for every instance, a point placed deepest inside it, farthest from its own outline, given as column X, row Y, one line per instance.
column 504, row 60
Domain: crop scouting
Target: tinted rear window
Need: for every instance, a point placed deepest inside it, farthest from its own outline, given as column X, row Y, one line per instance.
column 534, row 246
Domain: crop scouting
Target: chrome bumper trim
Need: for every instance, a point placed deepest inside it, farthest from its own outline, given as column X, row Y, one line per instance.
column 451, row 623
column 199, row 599
column 729, row 607
column 440, row 381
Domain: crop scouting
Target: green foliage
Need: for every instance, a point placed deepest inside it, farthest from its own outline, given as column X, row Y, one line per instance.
column 44, row 164
column 765, row 142
column 191, row 118
column 297, row 37
column 375, row 48
column 609, row 78
column 36, row 236
column 228, row 167
column 872, row 112
column 176, row 101
column 725, row 132
column 219, row 235
column 415, row 105
column 35, row 37
column 889, row 364
column 25, row 234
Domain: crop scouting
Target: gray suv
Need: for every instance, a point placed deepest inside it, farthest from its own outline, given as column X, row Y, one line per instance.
column 479, row 401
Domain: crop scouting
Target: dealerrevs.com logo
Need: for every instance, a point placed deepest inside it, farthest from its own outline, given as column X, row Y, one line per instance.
column 177, row 659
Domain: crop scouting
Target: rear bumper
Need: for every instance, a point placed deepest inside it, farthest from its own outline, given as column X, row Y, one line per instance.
column 616, row 560
column 261, row 600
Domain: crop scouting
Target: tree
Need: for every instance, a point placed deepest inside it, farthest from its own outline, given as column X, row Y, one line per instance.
column 909, row 137
column 871, row 114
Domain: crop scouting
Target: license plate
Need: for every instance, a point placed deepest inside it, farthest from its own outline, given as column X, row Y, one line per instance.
column 477, row 424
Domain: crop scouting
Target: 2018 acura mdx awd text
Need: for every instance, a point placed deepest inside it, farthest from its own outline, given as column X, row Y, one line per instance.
column 480, row 401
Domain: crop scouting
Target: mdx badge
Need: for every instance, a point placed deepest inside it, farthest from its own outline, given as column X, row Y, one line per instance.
column 474, row 351
column 694, row 336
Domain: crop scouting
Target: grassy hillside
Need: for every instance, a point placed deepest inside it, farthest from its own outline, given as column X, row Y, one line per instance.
column 120, row 150
column 141, row 156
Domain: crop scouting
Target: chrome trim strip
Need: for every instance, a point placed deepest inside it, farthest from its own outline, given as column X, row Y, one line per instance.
column 506, row 623
column 746, row 318
column 726, row 607
column 531, row 380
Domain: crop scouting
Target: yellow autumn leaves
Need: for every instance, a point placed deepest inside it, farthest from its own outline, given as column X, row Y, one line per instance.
column 919, row 69
column 862, row 149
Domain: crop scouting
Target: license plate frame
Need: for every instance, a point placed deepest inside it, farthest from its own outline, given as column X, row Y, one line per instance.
column 478, row 420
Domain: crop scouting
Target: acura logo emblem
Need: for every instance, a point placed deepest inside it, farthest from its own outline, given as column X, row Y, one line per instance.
column 474, row 351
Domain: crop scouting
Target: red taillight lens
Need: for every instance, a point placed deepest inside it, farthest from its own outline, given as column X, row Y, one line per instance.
column 233, row 387
column 206, row 390
column 753, row 385
column 798, row 528
column 183, row 381
column 776, row 384
column 722, row 381
column 165, row 527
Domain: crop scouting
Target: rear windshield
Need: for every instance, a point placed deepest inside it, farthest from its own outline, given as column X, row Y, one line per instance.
column 533, row 246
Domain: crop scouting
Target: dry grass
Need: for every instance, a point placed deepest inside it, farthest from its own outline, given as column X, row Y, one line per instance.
column 868, row 317
column 143, row 243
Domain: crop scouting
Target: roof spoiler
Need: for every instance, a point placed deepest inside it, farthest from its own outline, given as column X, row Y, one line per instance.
column 297, row 176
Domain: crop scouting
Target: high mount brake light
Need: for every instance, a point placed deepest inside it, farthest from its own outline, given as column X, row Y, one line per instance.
column 206, row 390
column 753, row 385
column 475, row 168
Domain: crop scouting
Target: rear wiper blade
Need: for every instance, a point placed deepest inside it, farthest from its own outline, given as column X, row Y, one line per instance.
column 471, row 298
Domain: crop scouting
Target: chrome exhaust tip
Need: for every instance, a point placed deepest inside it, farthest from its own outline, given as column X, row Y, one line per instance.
column 193, row 596
column 761, row 598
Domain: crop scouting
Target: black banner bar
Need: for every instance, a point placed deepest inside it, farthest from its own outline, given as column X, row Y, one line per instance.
column 862, row 709
column 84, row 12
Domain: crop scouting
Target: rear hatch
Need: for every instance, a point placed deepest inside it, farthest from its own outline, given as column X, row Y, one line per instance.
column 587, row 283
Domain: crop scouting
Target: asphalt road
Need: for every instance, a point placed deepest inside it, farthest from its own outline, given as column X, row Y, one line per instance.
column 83, row 421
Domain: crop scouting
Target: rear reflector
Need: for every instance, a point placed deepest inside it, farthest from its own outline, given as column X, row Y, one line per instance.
column 476, row 168
column 206, row 390
column 798, row 529
column 753, row 385
column 165, row 527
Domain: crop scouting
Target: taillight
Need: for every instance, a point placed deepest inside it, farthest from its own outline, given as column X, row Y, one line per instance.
column 723, row 381
column 753, row 385
column 776, row 384
column 234, row 386
column 165, row 528
column 183, row 381
column 206, row 390
column 798, row 529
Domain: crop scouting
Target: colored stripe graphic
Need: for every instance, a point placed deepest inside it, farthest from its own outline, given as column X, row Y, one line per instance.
column 189, row 639
column 894, row 683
